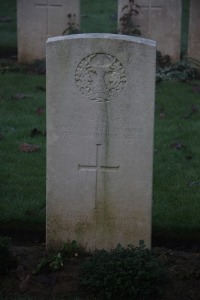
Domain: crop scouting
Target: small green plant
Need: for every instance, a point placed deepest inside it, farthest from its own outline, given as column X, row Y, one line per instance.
column 73, row 27
column 10, row 66
column 195, row 63
column 127, row 21
column 6, row 259
column 162, row 61
column 50, row 263
column 181, row 71
column 131, row 273
column 38, row 66
column 56, row 261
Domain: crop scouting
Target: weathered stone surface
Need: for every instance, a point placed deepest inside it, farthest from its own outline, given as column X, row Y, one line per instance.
column 39, row 19
column 194, row 33
column 159, row 20
column 100, row 111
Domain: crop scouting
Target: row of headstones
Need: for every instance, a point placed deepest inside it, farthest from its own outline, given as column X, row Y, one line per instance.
column 159, row 20
column 100, row 115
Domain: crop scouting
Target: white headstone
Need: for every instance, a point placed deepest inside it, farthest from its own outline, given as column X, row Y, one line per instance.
column 159, row 20
column 39, row 19
column 194, row 33
column 100, row 112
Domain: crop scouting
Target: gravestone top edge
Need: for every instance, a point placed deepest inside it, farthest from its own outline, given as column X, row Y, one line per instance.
column 110, row 36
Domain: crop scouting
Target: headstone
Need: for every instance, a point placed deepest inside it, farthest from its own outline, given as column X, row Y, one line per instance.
column 159, row 20
column 39, row 19
column 100, row 111
column 194, row 34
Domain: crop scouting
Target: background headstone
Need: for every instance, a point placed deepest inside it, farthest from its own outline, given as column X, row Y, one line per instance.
column 39, row 19
column 100, row 111
column 159, row 20
column 194, row 31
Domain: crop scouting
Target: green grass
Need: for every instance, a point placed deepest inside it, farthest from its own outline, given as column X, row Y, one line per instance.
column 8, row 30
column 99, row 16
column 22, row 179
column 175, row 202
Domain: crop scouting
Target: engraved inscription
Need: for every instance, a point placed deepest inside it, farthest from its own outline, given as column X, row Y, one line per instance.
column 128, row 133
column 100, row 77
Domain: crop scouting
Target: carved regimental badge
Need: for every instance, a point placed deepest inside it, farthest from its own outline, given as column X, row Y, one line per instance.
column 100, row 77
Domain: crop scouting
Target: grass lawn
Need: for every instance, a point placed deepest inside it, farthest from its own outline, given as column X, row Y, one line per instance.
column 176, row 191
column 8, row 30
column 22, row 182
column 98, row 16
column 176, row 160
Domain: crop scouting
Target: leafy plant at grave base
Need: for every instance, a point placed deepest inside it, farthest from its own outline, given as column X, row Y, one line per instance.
column 6, row 259
column 162, row 61
column 10, row 66
column 127, row 22
column 195, row 63
column 38, row 66
column 131, row 273
column 56, row 261
column 181, row 71
column 73, row 27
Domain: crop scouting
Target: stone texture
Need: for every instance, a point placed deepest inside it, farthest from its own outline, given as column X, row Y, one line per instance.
column 159, row 20
column 100, row 111
column 194, row 33
column 39, row 19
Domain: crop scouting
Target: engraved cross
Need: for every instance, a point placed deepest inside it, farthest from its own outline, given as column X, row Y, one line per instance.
column 98, row 168
column 46, row 4
column 150, row 7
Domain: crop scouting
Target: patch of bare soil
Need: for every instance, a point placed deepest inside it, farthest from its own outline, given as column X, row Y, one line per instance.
column 20, row 283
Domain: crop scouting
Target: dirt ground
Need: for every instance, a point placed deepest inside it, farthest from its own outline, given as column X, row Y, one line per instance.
column 20, row 283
